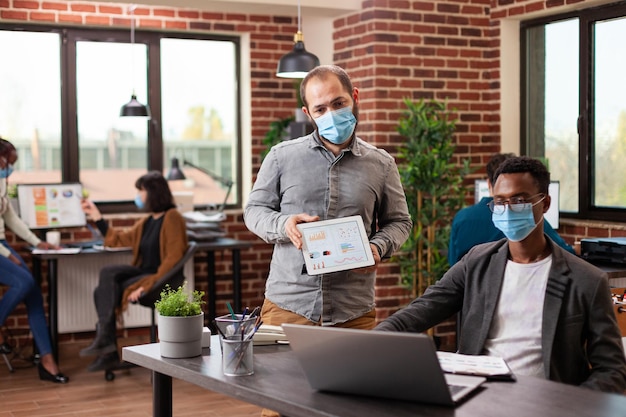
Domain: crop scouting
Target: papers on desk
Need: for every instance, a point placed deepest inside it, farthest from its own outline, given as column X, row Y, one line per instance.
column 112, row 249
column 61, row 251
column 269, row 335
column 198, row 216
column 491, row 367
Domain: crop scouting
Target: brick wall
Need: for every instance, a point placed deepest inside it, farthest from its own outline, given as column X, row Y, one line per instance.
column 393, row 49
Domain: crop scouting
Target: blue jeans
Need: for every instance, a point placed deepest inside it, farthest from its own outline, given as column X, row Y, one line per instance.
column 22, row 287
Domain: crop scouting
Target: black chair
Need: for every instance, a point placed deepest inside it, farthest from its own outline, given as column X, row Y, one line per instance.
column 7, row 361
column 174, row 278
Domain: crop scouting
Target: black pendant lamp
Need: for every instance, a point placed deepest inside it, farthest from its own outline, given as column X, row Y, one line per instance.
column 175, row 172
column 133, row 108
column 297, row 63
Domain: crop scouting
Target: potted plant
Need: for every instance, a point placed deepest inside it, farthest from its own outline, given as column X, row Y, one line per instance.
column 433, row 184
column 180, row 322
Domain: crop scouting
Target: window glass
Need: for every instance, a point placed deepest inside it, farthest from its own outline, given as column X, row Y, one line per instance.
column 574, row 115
column 113, row 149
column 30, row 103
column 552, row 106
column 199, row 112
column 62, row 90
column 609, row 180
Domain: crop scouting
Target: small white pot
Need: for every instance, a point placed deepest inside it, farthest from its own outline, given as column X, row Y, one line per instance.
column 180, row 337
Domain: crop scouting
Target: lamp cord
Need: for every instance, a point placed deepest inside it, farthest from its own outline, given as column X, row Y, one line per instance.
column 131, row 10
column 299, row 24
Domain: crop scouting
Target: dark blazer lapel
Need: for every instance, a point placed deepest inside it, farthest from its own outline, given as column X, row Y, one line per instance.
column 497, row 267
column 558, row 283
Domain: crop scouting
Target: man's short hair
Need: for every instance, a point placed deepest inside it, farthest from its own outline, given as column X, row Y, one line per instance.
column 522, row 164
column 494, row 163
column 322, row 72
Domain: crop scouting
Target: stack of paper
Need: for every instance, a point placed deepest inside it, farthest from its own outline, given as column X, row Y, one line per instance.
column 491, row 367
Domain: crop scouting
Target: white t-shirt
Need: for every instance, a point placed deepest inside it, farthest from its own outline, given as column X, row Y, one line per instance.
column 515, row 332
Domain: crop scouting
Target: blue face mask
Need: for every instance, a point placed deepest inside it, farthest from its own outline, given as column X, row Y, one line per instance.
column 138, row 202
column 336, row 126
column 516, row 225
column 5, row 172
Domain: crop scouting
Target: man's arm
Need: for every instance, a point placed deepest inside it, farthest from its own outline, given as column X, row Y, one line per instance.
column 604, row 345
column 394, row 220
column 262, row 212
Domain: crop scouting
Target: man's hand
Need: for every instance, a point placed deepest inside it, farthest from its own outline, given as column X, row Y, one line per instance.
column 47, row 246
column 372, row 268
column 292, row 231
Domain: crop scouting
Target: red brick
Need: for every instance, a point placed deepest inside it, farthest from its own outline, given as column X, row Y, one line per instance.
column 53, row 6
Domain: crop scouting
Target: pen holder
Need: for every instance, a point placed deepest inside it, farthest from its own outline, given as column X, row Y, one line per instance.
column 237, row 357
column 235, row 328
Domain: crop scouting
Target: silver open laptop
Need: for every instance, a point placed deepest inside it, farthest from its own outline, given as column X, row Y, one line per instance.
column 393, row 365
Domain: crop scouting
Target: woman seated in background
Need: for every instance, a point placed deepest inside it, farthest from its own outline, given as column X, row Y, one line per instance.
column 14, row 273
column 158, row 241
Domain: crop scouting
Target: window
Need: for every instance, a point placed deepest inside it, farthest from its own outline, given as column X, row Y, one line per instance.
column 75, row 133
column 574, row 114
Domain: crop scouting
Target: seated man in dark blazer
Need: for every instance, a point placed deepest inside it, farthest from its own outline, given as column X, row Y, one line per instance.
column 548, row 313
column 472, row 225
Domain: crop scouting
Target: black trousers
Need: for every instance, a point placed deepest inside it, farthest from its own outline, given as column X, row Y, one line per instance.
column 107, row 296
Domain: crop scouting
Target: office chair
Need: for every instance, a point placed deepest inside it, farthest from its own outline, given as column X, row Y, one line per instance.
column 174, row 278
column 8, row 362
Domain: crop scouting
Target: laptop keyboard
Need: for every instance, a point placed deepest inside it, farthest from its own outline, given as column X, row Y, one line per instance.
column 84, row 245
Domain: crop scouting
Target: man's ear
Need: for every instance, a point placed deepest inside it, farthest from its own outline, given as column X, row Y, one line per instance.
column 355, row 95
column 546, row 203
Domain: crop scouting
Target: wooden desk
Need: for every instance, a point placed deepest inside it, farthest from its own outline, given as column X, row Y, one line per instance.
column 279, row 384
column 209, row 247
column 614, row 271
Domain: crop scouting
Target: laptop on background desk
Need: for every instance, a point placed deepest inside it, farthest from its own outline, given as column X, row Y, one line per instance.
column 400, row 366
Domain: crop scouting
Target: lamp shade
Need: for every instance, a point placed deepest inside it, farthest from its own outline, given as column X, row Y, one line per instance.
column 297, row 63
column 175, row 172
column 134, row 108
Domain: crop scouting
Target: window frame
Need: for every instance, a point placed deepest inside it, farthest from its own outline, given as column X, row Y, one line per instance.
column 585, row 123
column 68, row 37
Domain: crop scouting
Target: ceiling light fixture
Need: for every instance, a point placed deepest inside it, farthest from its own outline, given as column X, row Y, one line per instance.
column 297, row 63
column 133, row 108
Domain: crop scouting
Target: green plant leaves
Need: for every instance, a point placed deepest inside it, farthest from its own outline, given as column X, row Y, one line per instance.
column 179, row 302
column 433, row 184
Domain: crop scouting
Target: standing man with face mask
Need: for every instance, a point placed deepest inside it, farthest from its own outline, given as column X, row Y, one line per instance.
column 330, row 173
column 548, row 313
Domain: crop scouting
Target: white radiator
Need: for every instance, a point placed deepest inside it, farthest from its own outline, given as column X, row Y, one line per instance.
column 617, row 282
column 78, row 277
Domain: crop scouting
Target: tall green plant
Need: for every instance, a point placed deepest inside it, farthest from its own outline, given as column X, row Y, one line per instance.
column 434, row 189
column 277, row 133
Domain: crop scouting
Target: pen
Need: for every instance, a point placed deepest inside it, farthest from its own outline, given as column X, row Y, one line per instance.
column 230, row 309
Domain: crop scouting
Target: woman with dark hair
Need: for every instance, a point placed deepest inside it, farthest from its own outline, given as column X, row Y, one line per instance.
column 16, row 276
column 158, row 241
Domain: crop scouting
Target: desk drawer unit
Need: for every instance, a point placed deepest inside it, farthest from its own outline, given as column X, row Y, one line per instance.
column 78, row 277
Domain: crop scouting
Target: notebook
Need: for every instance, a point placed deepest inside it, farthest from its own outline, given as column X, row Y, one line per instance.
column 393, row 365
